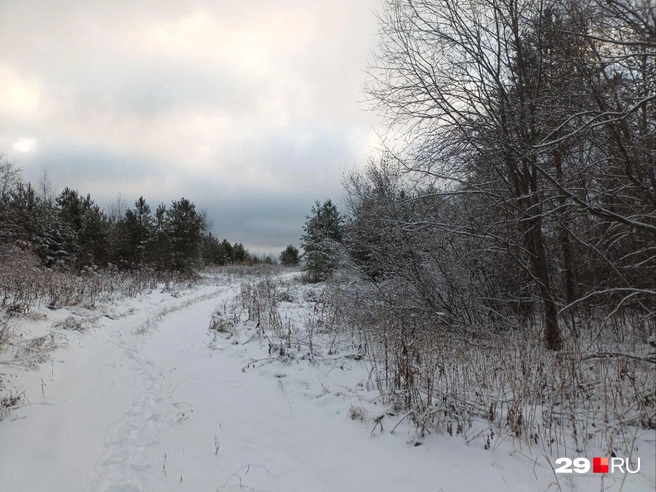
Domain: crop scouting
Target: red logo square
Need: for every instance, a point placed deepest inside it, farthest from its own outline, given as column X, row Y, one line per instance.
column 599, row 465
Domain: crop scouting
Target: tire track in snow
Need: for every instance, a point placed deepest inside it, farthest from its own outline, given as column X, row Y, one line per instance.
column 153, row 320
column 129, row 465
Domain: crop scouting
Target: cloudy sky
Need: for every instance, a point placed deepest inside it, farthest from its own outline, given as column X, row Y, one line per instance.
column 252, row 109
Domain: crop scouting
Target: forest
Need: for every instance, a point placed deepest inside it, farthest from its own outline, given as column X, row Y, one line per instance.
column 521, row 185
column 69, row 230
column 488, row 274
column 504, row 238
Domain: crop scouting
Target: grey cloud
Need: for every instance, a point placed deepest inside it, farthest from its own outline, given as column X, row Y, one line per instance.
column 158, row 89
column 99, row 172
column 248, row 210
column 254, row 128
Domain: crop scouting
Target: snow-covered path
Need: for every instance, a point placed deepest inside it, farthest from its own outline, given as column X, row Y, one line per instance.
column 122, row 411
column 95, row 424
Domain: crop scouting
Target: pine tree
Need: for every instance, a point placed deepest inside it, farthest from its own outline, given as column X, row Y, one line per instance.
column 51, row 238
column 69, row 205
column 69, row 214
column 160, row 245
column 138, row 229
column 93, row 234
column 23, row 205
column 323, row 232
column 227, row 250
column 239, row 253
column 290, row 256
column 213, row 251
column 185, row 232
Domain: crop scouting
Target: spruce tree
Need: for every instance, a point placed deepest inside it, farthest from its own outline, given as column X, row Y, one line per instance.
column 323, row 232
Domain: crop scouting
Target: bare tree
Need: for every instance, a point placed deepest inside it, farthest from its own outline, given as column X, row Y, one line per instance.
column 542, row 128
column 46, row 190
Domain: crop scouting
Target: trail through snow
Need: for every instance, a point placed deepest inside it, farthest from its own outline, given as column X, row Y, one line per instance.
column 140, row 403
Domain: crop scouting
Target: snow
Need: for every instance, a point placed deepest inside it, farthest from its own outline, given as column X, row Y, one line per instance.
column 142, row 397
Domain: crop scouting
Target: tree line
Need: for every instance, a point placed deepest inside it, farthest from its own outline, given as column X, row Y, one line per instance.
column 525, row 183
column 71, row 230
column 519, row 184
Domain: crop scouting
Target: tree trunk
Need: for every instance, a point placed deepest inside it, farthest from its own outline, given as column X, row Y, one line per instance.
column 536, row 249
column 563, row 233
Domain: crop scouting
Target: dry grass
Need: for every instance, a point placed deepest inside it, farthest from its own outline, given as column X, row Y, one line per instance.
column 271, row 306
column 595, row 392
column 486, row 385
column 10, row 401
column 25, row 285
column 6, row 331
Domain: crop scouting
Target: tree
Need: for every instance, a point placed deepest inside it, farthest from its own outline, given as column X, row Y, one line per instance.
column 227, row 251
column 239, row 253
column 160, row 245
column 322, row 234
column 10, row 177
column 264, row 259
column 52, row 239
column 394, row 241
column 10, row 181
column 46, row 190
column 69, row 205
column 185, row 227
column 137, row 231
column 536, row 118
column 458, row 74
column 23, row 204
column 290, row 256
column 86, row 227
column 93, row 234
column 71, row 229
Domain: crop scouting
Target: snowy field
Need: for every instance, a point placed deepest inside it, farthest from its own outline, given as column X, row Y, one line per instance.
column 178, row 391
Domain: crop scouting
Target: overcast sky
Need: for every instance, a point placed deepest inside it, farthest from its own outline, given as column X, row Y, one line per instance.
column 252, row 109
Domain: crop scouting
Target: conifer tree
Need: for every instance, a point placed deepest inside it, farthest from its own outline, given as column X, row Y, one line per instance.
column 290, row 256
column 239, row 253
column 160, row 246
column 213, row 251
column 323, row 232
column 138, row 229
column 227, row 250
column 185, row 232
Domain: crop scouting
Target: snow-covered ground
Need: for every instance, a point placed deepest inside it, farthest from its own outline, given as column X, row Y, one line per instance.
column 143, row 397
